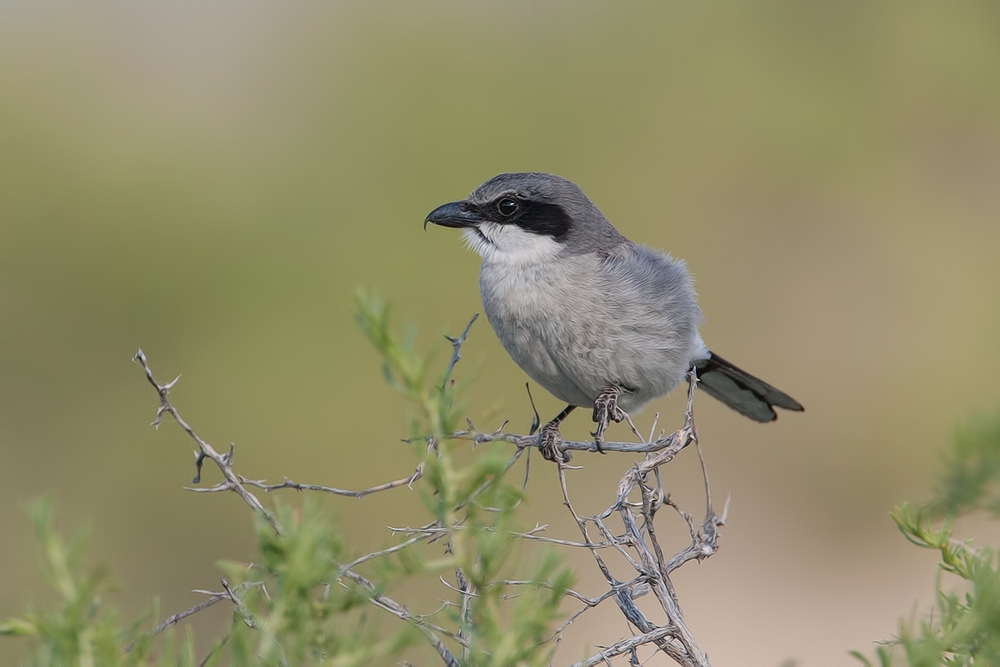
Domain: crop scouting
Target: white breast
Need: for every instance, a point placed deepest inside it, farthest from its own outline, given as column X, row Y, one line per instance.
column 542, row 314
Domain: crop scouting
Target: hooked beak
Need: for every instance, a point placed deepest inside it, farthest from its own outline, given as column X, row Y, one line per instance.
column 453, row 214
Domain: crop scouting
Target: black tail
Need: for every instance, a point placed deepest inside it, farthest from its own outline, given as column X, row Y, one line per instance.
column 741, row 391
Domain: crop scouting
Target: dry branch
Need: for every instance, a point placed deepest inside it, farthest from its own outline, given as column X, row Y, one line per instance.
column 205, row 451
column 638, row 498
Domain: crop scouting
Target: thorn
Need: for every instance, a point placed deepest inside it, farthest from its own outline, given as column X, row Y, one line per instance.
column 536, row 421
column 171, row 384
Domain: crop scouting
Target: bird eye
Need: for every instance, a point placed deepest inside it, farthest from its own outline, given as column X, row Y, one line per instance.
column 507, row 206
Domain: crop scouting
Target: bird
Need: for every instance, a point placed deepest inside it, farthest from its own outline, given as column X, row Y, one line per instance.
column 597, row 320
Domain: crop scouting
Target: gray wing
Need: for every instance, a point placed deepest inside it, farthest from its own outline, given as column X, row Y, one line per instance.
column 657, row 317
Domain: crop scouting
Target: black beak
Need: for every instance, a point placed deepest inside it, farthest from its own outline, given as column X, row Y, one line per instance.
column 453, row 214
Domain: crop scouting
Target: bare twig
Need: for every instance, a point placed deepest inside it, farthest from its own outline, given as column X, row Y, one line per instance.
column 429, row 630
column 378, row 554
column 625, row 646
column 180, row 616
column 528, row 441
column 289, row 484
column 456, row 346
column 467, row 592
column 205, row 451
column 238, row 483
column 438, row 530
column 212, row 599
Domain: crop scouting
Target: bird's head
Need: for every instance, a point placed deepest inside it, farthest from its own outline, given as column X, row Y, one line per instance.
column 527, row 217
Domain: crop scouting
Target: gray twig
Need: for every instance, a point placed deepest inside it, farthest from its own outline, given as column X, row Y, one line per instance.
column 201, row 606
column 625, row 646
column 205, row 451
column 289, row 484
column 528, row 441
column 429, row 630
column 456, row 346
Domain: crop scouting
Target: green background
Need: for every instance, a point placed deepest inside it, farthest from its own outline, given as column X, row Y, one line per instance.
column 211, row 183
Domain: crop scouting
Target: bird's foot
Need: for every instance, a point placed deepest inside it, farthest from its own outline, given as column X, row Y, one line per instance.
column 606, row 410
column 549, row 440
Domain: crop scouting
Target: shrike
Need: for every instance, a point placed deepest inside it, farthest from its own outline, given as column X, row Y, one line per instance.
column 596, row 319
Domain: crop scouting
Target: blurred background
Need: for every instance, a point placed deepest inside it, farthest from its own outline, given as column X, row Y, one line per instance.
column 212, row 183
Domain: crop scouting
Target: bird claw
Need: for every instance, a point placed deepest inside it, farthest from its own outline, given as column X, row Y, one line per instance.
column 606, row 410
column 549, row 441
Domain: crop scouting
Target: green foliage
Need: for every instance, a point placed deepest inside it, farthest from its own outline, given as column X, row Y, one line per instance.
column 475, row 508
column 82, row 630
column 407, row 371
column 286, row 613
column 965, row 626
column 972, row 478
column 304, row 600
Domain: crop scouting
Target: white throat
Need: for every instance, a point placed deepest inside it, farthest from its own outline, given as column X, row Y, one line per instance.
column 510, row 244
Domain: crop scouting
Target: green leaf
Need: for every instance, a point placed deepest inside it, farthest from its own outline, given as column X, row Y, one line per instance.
column 18, row 627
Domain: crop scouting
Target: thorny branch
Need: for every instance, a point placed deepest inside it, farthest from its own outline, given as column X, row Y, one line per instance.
column 212, row 598
column 638, row 542
column 641, row 539
column 239, row 481
column 235, row 482
column 456, row 347
column 205, row 450
column 429, row 630
column 289, row 484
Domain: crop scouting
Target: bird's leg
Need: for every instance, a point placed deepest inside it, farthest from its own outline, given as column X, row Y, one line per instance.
column 606, row 410
column 549, row 438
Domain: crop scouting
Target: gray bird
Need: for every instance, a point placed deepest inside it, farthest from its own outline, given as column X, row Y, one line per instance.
column 596, row 319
